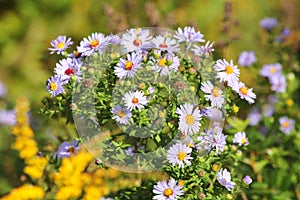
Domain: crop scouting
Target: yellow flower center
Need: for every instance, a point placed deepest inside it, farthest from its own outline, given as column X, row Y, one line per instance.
column 228, row 69
column 215, row 167
column 286, row 124
column 121, row 114
column 162, row 62
column 215, row 92
column 181, row 155
column 135, row 100
column 235, row 109
column 163, row 45
column 244, row 90
column 181, row 182
column 94, row 43
column 128, row 65
column 189, row 119
column 244, row 141
column 137, row 42
column 273, row 70
column 168, row 192
column 53, row 86
column 60, row 45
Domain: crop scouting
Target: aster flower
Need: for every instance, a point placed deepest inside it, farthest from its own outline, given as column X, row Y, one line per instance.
column 2, row 90
column 167, row 190
column 227, row 71
column 286, row 124
column 7, row 117
column 179, row 154
column 67, row 68
column 247, row 58
column 189, row 118
column 121, row 115
column 165, row 44
column 283, row 35
column 268, row 23
column 60, row 44
column 254, row 116
column 224, row 178
column 188, row 34
column 247, row 180
column 205, row 50
column 213, row 94
column 164, row 65
column 66, row 149
column 213, row 139
column 128, row 67
column 244, row 92
column 136, row 40
column 271, row 70
column 114, row 39
column 278, row 83
column 55, row 85
column 135, row 100
column 268, row 109
column 97, row 42
column 240, row 139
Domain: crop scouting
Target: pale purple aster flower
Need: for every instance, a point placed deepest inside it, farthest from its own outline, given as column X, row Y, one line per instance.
column 268, row 23
column 240, row 139
column 128, row 67
column 244, row 92
column 167, row 190
column 188, row 34
column 206, row 112
column 164, row 65
column 60, row 44
column 2, row 90
column 224, row 178
column 121, row 115
column 271, row 70
column 254, row 116
column 179, row 154
column 129, row 151
column 66, row 149
column 68, row 68
column 213, row 94
column 273, row 99
column 247, row 180
column 114, row 39
column 150, row 90
column 216, row 140
column 7, row 117
column 55, row 85
column 135, row 100
column 247, row 58
column 189, row 118
column 165, row 44
column 136, row 40
column 268, row 109
column 205, row 50
column 227, row 71
column 283, row 35
column 97, row 42
column 286, row 124
column 278, row 83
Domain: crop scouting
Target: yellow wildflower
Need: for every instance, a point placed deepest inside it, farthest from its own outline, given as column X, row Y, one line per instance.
column 25, row 192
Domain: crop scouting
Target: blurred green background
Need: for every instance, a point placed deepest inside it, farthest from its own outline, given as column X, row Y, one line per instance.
column 28, row 26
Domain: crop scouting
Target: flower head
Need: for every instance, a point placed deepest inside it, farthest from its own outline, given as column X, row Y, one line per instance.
column 55, row 85
column 189, row 118
column 188, row 34
column 268, row 23
column 68, row 68
column 213, row 139
column 247, row 180
column 224, row 178
column 164, row 64
column 136, row 40
column 128, row 67
column 278, row 83
column 205, row 50
column 244, row 92
column 66, row 149
column 179, row 154
column 167, row 190
column 255, row 117
column 60, row 44
column 213, row 94
column 7, row 117
column 283, row 35
column 286, row 124
column 135, row 100
column 271, row 70
column 247, row 58
column 97, row 42
column 121, row 115
column 227, row 71
column 165, row 44
column 240, row 139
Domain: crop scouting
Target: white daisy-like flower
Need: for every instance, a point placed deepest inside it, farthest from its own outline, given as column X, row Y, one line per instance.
column 224, row 178
column 213, row 94
column 121, row 115
column 240, row 139
column 128, row 67
column 189, row 118
column 227, row 71
column 188, row 34
column 136, row 40
column 167, row 190
column 68, row 67
column 164, row 65
column 205, row 50
column 244, row 92
column 165, row 44
column 135, row 100
column 179, row 154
